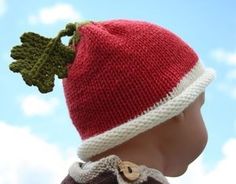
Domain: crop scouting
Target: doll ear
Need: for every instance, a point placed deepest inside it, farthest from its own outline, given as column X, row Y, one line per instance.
column 179, row 117
column 182, row 114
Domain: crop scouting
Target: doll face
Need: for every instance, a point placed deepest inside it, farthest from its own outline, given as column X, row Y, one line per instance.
column 184, row 137
column 169, row 147
column 196, row 130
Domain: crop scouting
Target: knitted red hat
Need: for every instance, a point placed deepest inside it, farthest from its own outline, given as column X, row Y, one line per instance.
column 124, row 77
column 127, row 77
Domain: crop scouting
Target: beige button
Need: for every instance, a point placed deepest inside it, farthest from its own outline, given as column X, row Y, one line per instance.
column 129, row 170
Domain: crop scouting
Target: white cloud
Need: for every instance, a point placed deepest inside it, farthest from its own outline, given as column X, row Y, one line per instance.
column 224, row 172
column 34, row 105
column 224, row 56
column 231, row 75
column 58, row 12
column 227, row 88
column 26, row 158
column 229, row 59
column 2, row 7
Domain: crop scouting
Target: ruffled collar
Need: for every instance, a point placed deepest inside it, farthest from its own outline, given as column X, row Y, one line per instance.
column 85, row 172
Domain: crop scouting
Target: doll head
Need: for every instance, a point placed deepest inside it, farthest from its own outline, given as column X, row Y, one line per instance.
column 127, row 78
column 121, row 78
column 169, row 147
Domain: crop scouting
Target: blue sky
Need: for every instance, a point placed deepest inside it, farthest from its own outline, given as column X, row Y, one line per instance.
column 208, row 26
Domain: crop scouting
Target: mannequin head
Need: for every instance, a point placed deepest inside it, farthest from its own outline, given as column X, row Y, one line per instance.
column 169, row 147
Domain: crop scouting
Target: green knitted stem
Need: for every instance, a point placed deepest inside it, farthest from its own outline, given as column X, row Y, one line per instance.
column 39, row 59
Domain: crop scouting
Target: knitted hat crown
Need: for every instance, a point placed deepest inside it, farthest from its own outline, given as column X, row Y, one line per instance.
column 127, row 77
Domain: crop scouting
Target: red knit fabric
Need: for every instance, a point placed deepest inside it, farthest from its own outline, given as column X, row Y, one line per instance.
column 121, row 68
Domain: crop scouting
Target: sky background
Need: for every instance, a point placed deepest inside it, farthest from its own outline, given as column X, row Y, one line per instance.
column 37, row 139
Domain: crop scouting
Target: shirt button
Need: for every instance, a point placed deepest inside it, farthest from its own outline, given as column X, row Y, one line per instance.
column 130, row 170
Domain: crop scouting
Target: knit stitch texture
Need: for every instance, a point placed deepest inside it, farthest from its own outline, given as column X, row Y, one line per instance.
column 122, row 70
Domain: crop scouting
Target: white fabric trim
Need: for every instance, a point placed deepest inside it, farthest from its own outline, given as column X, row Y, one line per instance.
column 110, row 163
column 186, row 91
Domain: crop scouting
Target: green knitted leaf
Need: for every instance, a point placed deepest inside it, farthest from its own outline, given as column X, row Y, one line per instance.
column 39, row 59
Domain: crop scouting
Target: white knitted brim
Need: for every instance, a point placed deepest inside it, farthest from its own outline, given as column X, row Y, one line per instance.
column 187, row 90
